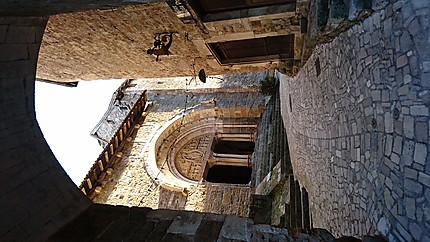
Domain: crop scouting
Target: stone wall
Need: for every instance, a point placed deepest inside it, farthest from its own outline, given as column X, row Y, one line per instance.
column 113, row 43
column 138, row 180
column 126, row 95
column 357, row 119
column 47, row 7
column 36, row 195
column 118, row 223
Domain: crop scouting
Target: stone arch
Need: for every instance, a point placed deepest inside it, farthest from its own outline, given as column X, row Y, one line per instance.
column 37, row 196
column 180, row 153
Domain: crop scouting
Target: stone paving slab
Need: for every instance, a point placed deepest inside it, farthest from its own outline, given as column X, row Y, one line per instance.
column 359, row 130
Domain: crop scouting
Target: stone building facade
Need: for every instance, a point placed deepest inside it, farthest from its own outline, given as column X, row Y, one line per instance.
column 163, row 166
column 171, row 158
column 112, row 42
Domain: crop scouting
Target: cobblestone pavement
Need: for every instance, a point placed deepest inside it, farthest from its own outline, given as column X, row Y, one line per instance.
column 358, row 126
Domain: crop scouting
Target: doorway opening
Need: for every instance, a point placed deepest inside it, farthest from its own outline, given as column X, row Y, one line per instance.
column 234, row 147
column 229, row 174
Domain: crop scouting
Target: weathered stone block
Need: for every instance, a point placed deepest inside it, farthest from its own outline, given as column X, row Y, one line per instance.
column 214, row 217
column 162, row 214
column 410, row 208
column 379, row 4
column 21, row 174
column 40, row 218
column 268, row 233
column 186, row 223
column 408, row 152
column 33, row 51
column 424, row 179
column 408, row 126
column 177, row 237
column 403, row 90
column 411, row 173
column 383, row 226
column 70, row 209
column 412, row 186
column 143, row 231
column 17, row 69
column 16, row 234
column 235, row 228
column 21, row 34
column 12, row 218
column 415, row 231
column 209, row 230
column 388, row 121
column 398, row 145
column 420, row 153
column 419, row 110
column 417, row 4
column 401, row 61
column 405, row 42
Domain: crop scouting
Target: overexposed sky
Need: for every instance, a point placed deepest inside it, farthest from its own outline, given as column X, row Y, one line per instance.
column 67, row 115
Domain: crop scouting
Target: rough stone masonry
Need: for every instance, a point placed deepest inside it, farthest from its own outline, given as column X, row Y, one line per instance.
column 359, row 129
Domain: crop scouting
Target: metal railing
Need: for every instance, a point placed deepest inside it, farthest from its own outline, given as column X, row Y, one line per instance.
column 113, row 149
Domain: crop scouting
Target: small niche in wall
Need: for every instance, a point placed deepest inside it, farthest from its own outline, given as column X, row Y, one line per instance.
column 318, row 66
column 291, row 103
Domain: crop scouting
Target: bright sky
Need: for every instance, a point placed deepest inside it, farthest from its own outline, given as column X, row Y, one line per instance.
column 67, row 115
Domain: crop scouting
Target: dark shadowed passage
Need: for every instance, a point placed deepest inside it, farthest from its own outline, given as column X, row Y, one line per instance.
column 229, row 174
column 234, row 147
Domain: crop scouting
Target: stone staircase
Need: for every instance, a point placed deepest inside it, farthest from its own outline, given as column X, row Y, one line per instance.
column 276, row 189
column 297, row 212
column 271, row 144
